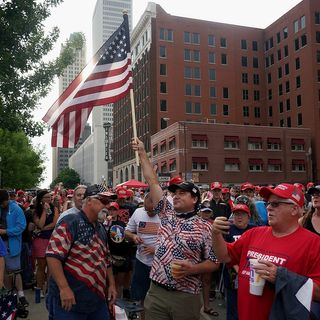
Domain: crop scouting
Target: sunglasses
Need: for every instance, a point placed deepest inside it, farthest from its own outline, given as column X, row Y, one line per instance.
column 103, row 200
column 276, row 204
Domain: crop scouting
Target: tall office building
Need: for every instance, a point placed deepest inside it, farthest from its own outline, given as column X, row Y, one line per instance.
column 60, row 156
column 107, row 17
column 207, row 72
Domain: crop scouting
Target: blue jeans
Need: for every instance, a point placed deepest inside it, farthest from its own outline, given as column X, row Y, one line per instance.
column 56, row 312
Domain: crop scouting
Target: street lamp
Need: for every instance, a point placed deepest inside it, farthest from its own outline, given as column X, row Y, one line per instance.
column 107, row 126
column 0, row 171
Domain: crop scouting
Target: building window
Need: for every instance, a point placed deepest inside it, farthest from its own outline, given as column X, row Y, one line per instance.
column 254, row 45
column 196, row 73
column 155, row 150
column 270, row 111
column 318, row 36
column 213, row 109
column 288, row 104
column 163, row 105
column 163, row 69
column 318, row 77
column 244, row 61
column 187, row 37
column 255, row 165
column 231, row 142
column 256, row 95
column 196, row 55
column 172, row 165
column 298, row 82
column 212, row 57
column 163, row 87
column 254, row 143
column 197, row 90
column 187, row 55
column 223, row 58
column 285, row 33
column 289, row 122
column 269, row 77
column 199, row 141
column 188, row 89
column 286, row 69
column 318, row 56
column 163, row 52
column 281, row 123
column 211, row 40
column 274, row 165
column 303, row 40
column 212, row 92
column 243, row 44
column 199, row 164
column 212, row 74
column 317, row 17
column 197, row 108
column 256, row 78
column 223, row 42
column 278, row 37
column 273, row 144
column 270, row 94
column 196, row 38
column 245, row 111
column 244, row 78
column 280, row 107
column 287, row 86
column 279, row 54
column 188, row 72
column 225, row 110
column 295, row 26
column 302, row 22
column 163, row 146
column 299, row 119
column 257, row 112
column 279, row 72
column 285, row 51
column 297, row 63
column 297, row 144
column 255, row 62
column 245, row 94
column 231, row 164
column 299, row 100
column 188, row 107
column 225, row 93
column 298, row 165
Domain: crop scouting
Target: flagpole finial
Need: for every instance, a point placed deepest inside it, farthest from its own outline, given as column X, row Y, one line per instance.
column 124, row 12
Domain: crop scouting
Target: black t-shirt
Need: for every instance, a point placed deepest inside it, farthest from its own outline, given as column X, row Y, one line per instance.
column 118, row 245
column 26, row 234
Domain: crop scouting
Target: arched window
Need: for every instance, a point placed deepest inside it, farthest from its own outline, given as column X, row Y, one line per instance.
column 132, row 172
column 121, row 176
column 127, row 175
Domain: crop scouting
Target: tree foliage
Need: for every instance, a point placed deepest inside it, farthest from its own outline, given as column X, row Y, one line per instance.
column 25, row 77
column 21, row 164
column 69, row 177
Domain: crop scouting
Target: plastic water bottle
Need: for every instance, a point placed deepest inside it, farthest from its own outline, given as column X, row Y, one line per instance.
column 37, row 298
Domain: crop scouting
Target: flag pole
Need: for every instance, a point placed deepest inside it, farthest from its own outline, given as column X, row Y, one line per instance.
column 134, row 124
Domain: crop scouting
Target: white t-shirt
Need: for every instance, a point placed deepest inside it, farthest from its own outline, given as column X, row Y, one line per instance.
column 147, row 229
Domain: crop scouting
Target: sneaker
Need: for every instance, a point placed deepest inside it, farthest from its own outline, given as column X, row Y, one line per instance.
column 24, row 301
column 42, row 295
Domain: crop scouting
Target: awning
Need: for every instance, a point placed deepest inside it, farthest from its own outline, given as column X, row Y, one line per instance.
column 274, row 161
column 274, row 140
column 171, row 161
column 231, row 139
column 297, row 161
column 155, row 146
column 200, row 159
column 172, row 138
column 163, row 163
column 231, row 160
column 254, row 139
column 255, row 161
column 297, row 141
column 162, row 142
column 201, row 137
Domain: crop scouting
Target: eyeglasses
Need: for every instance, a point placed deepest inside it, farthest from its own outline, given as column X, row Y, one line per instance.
column 276, row 204
column 316, row 195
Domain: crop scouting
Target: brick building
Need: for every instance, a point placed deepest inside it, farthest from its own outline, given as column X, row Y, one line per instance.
column 207, row 72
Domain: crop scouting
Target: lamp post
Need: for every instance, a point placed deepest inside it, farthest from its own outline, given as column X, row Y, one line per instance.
column 0, row 172
column 106, row 127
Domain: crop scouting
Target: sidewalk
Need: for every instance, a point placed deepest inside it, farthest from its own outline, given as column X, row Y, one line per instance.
column 38, row 311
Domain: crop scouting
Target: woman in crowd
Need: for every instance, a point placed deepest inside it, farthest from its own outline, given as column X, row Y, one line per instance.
column 45, row 218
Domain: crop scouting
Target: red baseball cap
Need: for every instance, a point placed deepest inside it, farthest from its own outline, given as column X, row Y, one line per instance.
column 216, row 185
column 247, row 185
column 300, row 186
column 130, row 193
column 285, row 191
column 122, row 193
column 175, row 180
column 225, row 190
column 241, row 207
column 114, row 205
column 309, row 185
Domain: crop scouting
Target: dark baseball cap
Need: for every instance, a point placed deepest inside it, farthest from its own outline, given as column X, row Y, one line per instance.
column 187, row 186
column 97, row 190
column 314, row 190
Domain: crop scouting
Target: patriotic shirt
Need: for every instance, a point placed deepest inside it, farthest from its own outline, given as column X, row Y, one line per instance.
column 82, row 248
column 146, row 228
column 180, row 238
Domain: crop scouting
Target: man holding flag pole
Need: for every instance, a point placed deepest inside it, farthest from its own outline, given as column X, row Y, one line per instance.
column 82, row 288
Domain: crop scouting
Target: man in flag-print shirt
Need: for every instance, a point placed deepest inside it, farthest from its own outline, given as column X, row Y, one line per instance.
column 183, row 249
column 79, row 262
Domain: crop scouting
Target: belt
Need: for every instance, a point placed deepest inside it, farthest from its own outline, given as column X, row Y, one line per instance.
column 163, row 286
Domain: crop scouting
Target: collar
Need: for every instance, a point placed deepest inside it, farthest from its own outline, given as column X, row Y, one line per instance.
column 186, row 215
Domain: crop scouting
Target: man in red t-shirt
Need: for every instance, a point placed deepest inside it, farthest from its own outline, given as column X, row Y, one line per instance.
column 283, row 244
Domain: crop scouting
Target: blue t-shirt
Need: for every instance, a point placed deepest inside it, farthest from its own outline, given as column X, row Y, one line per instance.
column 3, row 250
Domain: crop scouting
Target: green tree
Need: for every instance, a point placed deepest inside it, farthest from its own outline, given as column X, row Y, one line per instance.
column 21, row 165
column 69, row 177
column 25, row 77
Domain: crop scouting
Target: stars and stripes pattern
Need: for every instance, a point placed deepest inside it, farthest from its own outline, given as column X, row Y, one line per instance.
column 106, row 79
column 8, row 306
column 84, row 252
column 148, row 227
column 180, row 238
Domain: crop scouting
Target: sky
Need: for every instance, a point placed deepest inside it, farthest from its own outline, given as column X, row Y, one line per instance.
column 76, row 16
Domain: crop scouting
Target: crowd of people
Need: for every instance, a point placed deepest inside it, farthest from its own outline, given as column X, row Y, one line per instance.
column 169, row 248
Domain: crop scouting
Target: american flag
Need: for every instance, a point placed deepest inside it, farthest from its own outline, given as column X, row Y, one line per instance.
column 8, row 304
column 106, row 79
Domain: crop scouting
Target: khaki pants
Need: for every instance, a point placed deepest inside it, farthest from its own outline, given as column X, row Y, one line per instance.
column 161, row 304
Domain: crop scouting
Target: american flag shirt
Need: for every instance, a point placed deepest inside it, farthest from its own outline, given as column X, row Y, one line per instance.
column 82, row 248
column 180, row 238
